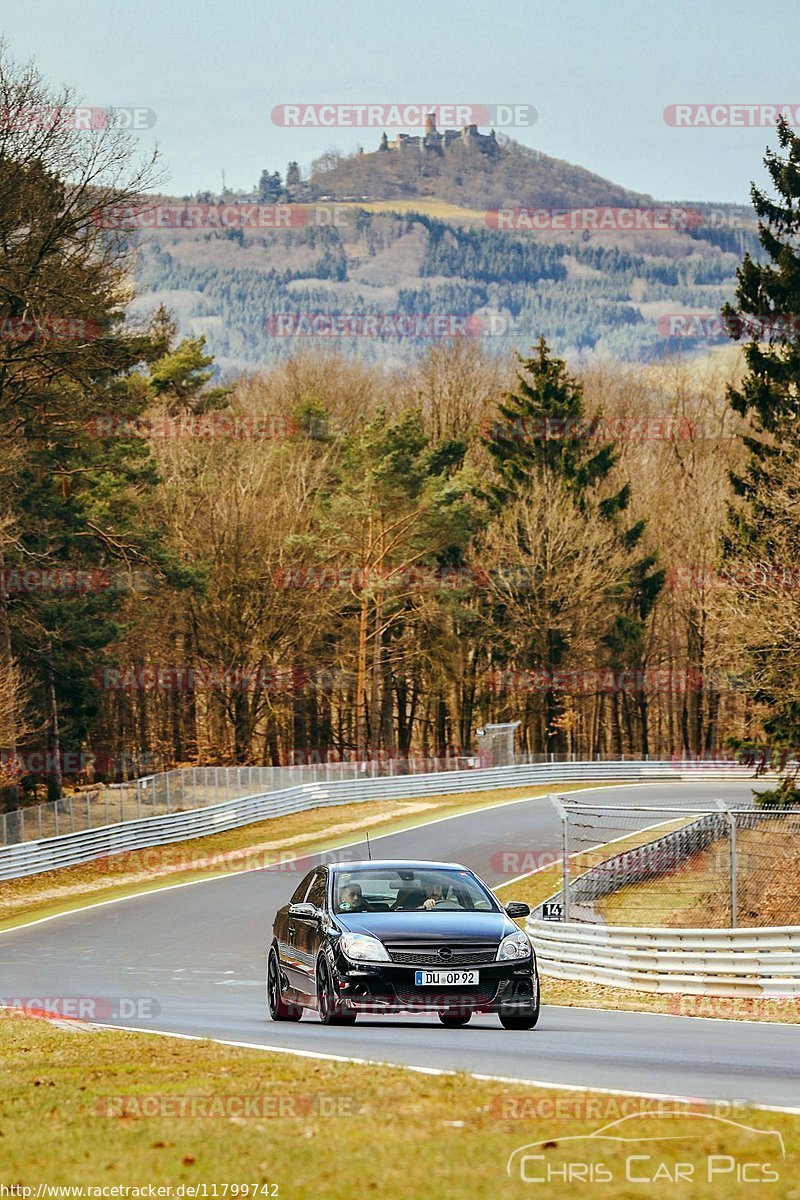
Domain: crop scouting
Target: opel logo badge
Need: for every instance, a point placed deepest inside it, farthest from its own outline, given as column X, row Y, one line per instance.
column 445, row 952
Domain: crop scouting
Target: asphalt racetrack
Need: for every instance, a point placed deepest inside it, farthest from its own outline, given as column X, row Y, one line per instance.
column 191, row 960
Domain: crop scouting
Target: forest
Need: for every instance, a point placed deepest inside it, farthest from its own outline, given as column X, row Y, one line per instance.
column 324, row 558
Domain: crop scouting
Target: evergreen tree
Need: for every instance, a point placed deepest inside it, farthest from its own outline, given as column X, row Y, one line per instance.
column 767, row 304
column 270, row 188
column 542, row 432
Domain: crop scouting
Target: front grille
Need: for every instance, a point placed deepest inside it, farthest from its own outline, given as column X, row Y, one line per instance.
column 433, row 960
column 470, row 997
column 427, row 954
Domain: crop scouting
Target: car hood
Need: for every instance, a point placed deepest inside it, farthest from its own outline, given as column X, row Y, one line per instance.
column 421, row 926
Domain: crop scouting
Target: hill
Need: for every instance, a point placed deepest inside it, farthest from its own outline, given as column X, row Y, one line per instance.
column 421, row 240
column 514, row 175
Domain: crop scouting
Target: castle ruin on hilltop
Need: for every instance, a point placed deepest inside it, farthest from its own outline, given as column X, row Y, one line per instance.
column 434, row 141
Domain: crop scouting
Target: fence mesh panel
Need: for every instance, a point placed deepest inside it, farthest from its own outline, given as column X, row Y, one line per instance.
column 687, row 866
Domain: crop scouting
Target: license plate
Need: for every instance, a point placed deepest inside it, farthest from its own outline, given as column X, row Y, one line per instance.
column 445, row 978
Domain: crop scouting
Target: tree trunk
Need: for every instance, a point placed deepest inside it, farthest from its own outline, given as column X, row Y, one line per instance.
column 55, row 782
column 9, row 795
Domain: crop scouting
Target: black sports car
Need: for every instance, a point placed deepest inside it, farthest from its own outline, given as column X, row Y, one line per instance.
column 384, row 937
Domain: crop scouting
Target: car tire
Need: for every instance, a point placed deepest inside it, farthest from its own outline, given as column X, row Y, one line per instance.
column 454, row 1019
column 279, row 1009
column 521, row 1016
column 332, row 1011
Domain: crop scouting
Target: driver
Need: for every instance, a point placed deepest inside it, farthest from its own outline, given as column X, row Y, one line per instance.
column 352, row 899
column 435, row 894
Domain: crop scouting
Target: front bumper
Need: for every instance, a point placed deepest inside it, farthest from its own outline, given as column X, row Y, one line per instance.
column 390, row 987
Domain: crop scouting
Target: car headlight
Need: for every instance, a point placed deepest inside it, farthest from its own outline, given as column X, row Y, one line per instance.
column 363, row 948
column 516, row 945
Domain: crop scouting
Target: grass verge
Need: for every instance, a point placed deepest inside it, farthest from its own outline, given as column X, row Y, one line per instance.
column 262, row 844
column 546, row 881
column 698, row 893
column 93, row 1108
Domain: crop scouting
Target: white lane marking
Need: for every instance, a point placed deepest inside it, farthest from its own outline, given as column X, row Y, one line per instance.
column 71, row 912
column 377, row 1062
column 409, row 829
column 598, row 846
column 359, row 841
column 649, row 1012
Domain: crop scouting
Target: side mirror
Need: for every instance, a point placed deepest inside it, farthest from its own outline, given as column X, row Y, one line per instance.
column 517, row 908
column 306, row 912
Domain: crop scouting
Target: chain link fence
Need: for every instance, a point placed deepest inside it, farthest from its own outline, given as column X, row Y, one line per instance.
column 686, row 866
column 196, row 787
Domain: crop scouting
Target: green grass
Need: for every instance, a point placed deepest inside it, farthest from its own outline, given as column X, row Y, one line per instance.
column 321, row 1129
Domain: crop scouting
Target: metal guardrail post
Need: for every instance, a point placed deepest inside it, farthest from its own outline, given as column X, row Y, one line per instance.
column 734, row 890
column 564, row 815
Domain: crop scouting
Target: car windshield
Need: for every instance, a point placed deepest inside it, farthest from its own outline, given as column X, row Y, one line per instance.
column 412, row 889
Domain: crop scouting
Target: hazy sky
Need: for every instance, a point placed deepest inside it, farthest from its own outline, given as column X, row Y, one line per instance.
column 599, row 73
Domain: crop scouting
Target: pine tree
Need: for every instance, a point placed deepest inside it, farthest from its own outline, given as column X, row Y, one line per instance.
column 543, row 432
column 766, row 313
column 767, row 307
column 270, row 187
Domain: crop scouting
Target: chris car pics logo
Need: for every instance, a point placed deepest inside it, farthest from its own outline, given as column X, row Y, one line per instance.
column 654, row 1148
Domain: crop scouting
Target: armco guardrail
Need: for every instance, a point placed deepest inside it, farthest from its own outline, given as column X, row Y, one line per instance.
column 31, row 858
column 745, row 962
column 197, row 787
